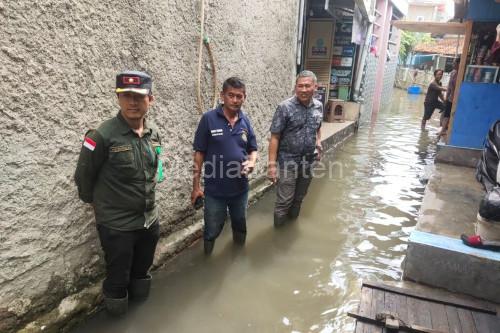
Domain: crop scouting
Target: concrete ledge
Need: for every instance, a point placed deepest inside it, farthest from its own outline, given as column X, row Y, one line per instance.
column 445, row 262
column 335, row 133
column 459, row 156
column 451, row 201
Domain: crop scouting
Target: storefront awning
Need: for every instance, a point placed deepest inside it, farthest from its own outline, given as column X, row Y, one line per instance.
column 452, row 28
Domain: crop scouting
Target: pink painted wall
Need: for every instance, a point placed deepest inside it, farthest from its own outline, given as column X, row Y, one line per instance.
column 384, row 7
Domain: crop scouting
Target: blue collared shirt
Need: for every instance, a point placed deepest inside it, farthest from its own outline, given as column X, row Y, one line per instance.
column 225, row 148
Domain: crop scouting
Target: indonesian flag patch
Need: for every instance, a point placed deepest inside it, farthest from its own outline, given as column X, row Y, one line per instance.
column 89, row 143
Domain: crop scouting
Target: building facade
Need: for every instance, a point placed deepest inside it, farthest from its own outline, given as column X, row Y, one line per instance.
column 429, row 10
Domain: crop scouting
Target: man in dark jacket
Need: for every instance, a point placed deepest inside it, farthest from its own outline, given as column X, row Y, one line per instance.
column 116, row 173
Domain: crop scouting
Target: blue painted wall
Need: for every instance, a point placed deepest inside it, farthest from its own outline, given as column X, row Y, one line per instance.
column 477, row 108
column 483, row 10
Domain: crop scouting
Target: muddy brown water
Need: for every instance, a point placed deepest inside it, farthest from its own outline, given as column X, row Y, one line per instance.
column 304, row 277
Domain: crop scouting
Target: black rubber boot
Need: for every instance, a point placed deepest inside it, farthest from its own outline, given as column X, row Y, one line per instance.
column 239, row 237
column 208, row 246
column 294, row 211
column 116, row 306
column 279, row 220
column 138, row 289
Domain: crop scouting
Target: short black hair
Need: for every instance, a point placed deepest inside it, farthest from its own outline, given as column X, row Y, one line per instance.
column 233, row 82
column 437, row 71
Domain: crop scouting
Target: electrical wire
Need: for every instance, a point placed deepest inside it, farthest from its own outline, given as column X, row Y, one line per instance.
column 204, row 40
column 200, row 56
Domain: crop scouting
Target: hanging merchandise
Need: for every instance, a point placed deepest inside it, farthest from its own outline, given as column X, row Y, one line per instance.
column 343, row 55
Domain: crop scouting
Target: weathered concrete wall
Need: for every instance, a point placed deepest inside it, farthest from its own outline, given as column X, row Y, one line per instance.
column 368, row 85
column 406, row 77
column 58, row 61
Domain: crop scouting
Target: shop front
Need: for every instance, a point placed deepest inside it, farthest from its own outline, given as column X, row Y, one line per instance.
column 340, row 36
column 477, row 105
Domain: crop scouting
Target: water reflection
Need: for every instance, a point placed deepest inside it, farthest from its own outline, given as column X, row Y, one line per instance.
column 304, row 277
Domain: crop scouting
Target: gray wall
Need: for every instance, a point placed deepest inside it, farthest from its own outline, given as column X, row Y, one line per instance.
column 368, row 85
column 389, row 76
column 57, row 77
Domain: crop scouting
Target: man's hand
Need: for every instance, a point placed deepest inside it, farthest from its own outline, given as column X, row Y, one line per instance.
column 197, row 192
column 272, row 172
column 247, row 167
column 319, row 148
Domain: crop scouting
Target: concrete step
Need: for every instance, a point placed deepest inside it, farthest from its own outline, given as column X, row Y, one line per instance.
column 436, row 256
column 445, row 262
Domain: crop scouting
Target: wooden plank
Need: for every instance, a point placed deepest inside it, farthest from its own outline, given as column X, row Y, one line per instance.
column 364, row 309
column 418, row 312
column 401, row 305
column 397, row 303
column 439, row 319
column 366, row 300
column 377, row 302
column 377, row 305
column 410, row 329
column 460, row 76
column 361, row 327
column 454, row 28
column 411, row 304
column 443, row 299
column 453, row 320
column 486, row 323
column 466, row 321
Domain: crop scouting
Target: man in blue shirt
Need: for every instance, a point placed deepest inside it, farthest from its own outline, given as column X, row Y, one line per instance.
column 225, row 143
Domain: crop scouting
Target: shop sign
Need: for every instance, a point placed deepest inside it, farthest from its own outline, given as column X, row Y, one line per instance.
column 348, row 51
column 341, row 72
column 346, row 62
column 337, row 50
column 319, row 49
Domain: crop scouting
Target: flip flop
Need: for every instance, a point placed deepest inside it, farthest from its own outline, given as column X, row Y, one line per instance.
column 475, row 241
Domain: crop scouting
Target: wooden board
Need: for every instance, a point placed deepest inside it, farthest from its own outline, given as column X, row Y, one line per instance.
column 436, row 297
column 452, row 28
column 418, row 307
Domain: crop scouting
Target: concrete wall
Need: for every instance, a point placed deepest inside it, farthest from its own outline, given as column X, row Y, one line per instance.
column 368, row 86
column 405, row 77
column 57, row 77
column 421, row 13
column 391, row 66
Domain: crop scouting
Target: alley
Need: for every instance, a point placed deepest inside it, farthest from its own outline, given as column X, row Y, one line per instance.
column 306, row 276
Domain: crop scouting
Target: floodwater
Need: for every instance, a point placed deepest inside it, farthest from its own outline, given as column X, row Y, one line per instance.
column 306, row 276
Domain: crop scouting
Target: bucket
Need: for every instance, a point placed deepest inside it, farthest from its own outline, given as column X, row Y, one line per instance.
column 413, row 90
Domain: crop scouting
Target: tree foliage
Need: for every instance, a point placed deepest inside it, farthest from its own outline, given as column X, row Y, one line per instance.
column 409, row 40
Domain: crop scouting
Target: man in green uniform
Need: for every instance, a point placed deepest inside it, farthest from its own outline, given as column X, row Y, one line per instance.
column 118, row 168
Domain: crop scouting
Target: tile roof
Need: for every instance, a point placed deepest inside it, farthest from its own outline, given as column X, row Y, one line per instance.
column 445, row 46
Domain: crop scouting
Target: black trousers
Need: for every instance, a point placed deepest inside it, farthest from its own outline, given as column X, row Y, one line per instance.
column 128, row 255
column 429, row 108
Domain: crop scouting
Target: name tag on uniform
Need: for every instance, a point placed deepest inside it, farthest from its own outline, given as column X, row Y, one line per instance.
column 217, row 132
